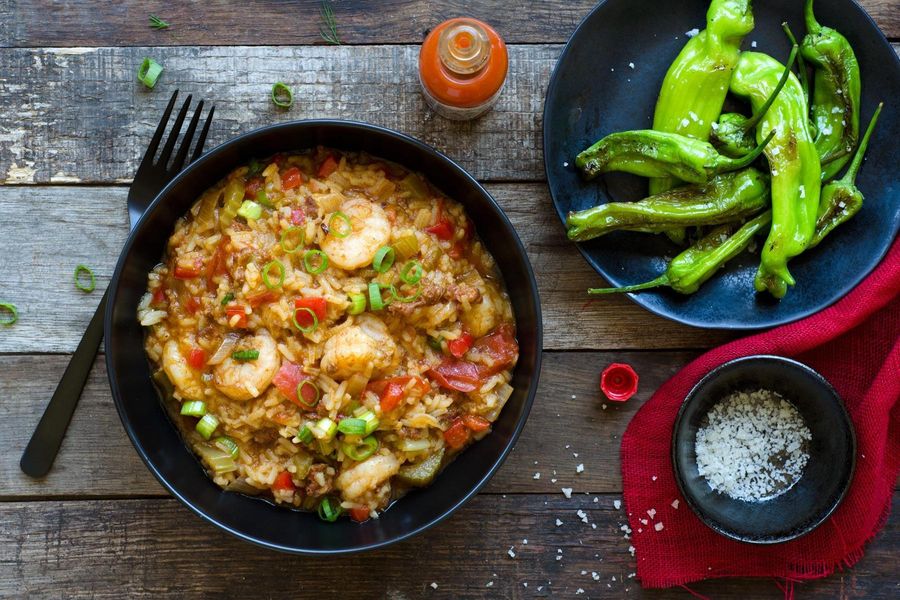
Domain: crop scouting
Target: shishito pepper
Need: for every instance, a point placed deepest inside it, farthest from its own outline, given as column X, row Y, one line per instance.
column 693, row 267
column 836, row 93
column 841, row 199
column 794, row 163
column 724, row 198
column 658, row 154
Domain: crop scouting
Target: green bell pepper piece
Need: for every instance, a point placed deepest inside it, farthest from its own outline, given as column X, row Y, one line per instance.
column 421, row 473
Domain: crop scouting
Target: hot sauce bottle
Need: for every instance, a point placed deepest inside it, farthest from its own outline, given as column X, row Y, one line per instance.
column 462, row 67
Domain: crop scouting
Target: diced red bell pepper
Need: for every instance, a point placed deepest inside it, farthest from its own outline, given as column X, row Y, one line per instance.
column 286, row 380
column 297, row 216
column 391, row 396
column 318, row 305
column 252, row 187
column 263, row 297
column 392, row 391
column 459, row 375
column 328, row 166
column 237, row 311
column 291, row 178
column 460, row 345
column 443, row 230
column 476, row 423
column 283, row 483
column 501, row 346
column 457, row 434
column 192, row 305
column 188, row 271
column 159, row 296
column 196, row 358
column 359, row 514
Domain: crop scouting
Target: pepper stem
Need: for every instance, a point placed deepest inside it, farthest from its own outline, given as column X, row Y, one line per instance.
column 733, row 164
column 850, row 176
column 801, row 64
column 751, row 123
column 659, row 281
column 812, row 25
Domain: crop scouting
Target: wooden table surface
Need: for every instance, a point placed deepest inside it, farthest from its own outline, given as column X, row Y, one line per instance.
column 74, row 123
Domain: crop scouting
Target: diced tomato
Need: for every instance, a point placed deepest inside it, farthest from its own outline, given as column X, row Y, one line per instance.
column 283, row 482
column 197, row 358
column 318, row 305
column 159, row 296
column 476, row 423
column 391, row 396
column 237, row 311
column 328, row 166
column 457, row 434
column 291, row 178
column 501, row 346
column 460, row 345
column 442, row 230
column 288, row 378
column 252, row 187
column 192, row 305
column 297, row 216
column 359, row 514
column 263, row 297
column 188, row 271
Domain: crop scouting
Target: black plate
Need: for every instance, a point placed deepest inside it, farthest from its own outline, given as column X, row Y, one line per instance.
column 587, row 100
column 825, row 480
column 158, row 441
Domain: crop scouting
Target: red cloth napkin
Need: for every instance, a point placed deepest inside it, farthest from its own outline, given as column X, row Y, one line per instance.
column 855, row 345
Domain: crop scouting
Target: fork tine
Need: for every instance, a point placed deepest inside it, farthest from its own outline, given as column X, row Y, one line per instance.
column 178, row 161
column 198, row 149
column 173, row 135
column 157, row 135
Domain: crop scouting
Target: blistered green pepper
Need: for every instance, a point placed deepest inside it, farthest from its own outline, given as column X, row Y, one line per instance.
column 794, row 163
column 732, row 134
column 841, row 199
column 658, row 154
column 836, row 93
column 693, row 267
column 725, row 198
column 421, row 473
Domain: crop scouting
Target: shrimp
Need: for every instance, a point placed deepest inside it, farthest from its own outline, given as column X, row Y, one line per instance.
column 367, row 475
column 243, row 380
column 370, row 230
column 185, row 379
column 366, row 344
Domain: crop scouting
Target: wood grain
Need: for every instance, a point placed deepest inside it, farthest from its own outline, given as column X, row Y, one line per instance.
column 270, row 22
column 568, row 418
column 68, row 225
column 155, row 548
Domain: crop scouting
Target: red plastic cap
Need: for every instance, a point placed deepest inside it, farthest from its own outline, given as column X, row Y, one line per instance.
column 619, row 382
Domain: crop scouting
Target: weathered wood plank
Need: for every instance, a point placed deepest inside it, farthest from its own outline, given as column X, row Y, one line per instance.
column 567, row 418
column 155, row 549
column 67, row 225
column 34, row 24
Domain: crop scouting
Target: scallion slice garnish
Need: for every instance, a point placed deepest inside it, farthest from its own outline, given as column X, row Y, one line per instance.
column 357, row 304
column 149, row 72
column 265, row 274
column 299, row 233
column 368, row 417
column 305, row 435
column 324, row 429
column 207, row 425
column 227, row 444
column 405, row 299
column 384, row 259
column 352, row 426
column 361, row 451
column 316, row 391
column 411, row 272
column 309, row 258
column 228, row 298
column 245, row 355
column 339, row 225
column 193, row 408
column 88, row 287
column 329, row 510
column 376, row 302
column 250, row 210
column 282, row 95
column 312, row 326
column 157, row 23
column 9, row 314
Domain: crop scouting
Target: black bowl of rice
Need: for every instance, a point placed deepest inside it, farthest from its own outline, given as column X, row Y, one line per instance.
column 763, row 449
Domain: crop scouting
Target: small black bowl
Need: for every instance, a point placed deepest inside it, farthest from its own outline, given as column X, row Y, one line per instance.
column 825, row 480
column 158, row 441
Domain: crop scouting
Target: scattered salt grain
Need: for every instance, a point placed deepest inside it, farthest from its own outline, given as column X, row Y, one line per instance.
column 567, row 492
column 559, row 557
column 631, row 550
column 553, row 480
column 658, row 526
column 645, row 522
column 653, row 478
column 595, row 575
column 537, row 476
column 579, row 591
column 579, row 468
column 434, row 585
column 593, row 526
column 617, row 504
column 685, row 123
column 525, row 541
column 652, row 512
column 511, row 552
column 631, row 65
column 693, row 116
column 558, row 522
column 675, row 504
column 566, row 163
column 803, row 191
column 603, row 406
column 489, row 584
column 575, row 455
column 753, row 44
column 692, row 32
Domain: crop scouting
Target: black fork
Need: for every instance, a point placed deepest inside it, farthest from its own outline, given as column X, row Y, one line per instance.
column 152, row 176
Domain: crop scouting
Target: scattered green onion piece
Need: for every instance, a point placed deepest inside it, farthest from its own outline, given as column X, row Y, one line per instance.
column 376, row 302
column 265, row 274
column 263, row 199
column 352, row 426
column 245, row 354
column 333, row 225
column 250, row 210
column 324, row 430
column 228, row 298
column 90, row 286
column 228, row 445
column 9, row 314
column 308, row 257
column 315, row 320
column 405, row 299
column 357, row 304
column 207, row 425
column 305, row 435
column 384, row 259
column 329, row 510
column 368, row 417
column 411, row 272
column 282, row 95
column 157, row 23
column 300, row 398
column 361, row 451
column 149, row 72
column 284, row 239
column 193, row 408
column 436, row 343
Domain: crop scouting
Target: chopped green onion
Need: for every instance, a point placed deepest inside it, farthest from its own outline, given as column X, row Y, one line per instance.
column 265, row 274
column 245, row 354
column 409, row 445
column 324, row 430
column 219, row 460
column 361, row 451
column 357, row 304
column 329, row 510
column 207, row 425
column 436, row 343
column 282, row 95
column 368, row 417
column 228, row 445
column 149, row 72
column 411, row 272
column 346, row 228
column 9, row 314
column 352, row 426
column 315, row 320
column 305, row 435
column 250, row 210
column 86, row 288
column 308, row 258
column 407, row 246
column 376, row 302
column 384, row 259
column 193, row 408
column 284, row 239
column 228, row 298
column 157, row 23
column 263, row 199
column 405, row 299
column 315, row 388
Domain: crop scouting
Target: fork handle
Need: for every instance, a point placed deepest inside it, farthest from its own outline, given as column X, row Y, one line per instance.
column 48, row 436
